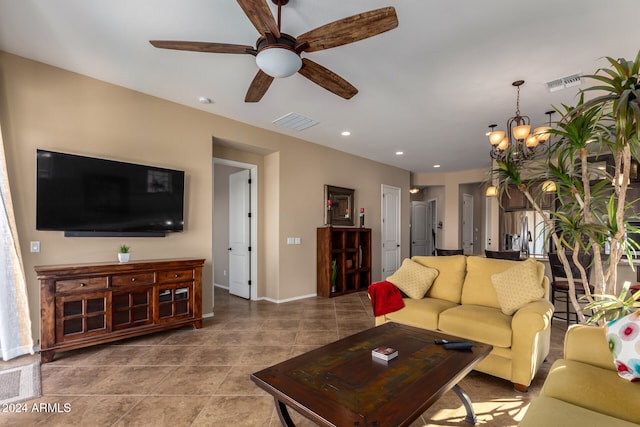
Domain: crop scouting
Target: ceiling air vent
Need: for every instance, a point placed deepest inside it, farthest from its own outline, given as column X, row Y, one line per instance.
column 564, row 82
column 295, row 121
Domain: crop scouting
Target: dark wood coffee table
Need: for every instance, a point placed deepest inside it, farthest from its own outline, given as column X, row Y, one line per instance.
column 340, row 384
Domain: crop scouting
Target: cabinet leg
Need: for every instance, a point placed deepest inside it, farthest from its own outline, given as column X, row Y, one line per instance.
column 46, row 356
column 197, row 324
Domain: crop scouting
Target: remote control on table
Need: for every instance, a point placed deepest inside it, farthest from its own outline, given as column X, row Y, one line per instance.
column 458, row 346
column 441, row 341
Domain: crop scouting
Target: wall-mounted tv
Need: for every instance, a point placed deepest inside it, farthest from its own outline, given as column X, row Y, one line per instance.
column 87, row 196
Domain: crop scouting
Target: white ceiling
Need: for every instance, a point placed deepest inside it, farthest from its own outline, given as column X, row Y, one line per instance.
column 429, row 88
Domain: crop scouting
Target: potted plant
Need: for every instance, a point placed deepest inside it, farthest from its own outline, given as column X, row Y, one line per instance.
column 590, row 215
column 609, row 308
column 124, row 254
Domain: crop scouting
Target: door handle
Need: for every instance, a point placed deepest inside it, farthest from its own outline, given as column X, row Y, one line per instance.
column 397, row 246
column 230, row 248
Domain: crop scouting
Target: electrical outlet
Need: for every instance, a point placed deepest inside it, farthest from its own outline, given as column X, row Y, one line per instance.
column 35, row 246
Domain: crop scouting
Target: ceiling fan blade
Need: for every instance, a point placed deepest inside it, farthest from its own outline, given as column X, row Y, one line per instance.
column 327, row 79
column 203, row 46
column 350, row 29
column 260, row 16
column 258, row 87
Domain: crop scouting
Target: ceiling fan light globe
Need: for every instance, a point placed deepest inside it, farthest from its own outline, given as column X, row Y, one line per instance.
column 278, row 61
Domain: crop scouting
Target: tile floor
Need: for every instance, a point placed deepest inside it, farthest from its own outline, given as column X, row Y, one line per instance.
column 190, row 377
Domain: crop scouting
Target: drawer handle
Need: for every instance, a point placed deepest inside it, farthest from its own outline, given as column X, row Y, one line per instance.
column 177, row 275
column 82, row 285
column 133, row 279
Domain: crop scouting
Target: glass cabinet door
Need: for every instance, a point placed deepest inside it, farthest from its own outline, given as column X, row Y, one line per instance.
column 175, row 301
column 79, row 316
column 132, row 308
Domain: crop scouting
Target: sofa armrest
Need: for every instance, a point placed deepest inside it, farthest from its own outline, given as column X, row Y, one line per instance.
column 530, row 340
column 588, row 344
column 535, row 316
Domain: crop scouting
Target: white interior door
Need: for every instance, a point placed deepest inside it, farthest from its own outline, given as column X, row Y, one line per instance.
column 419, row 228
column 240, row 234
column 390, row 230
column 467, row 224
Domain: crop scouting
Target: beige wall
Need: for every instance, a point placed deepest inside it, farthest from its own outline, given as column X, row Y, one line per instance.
column 46, row 107
column 293, row 203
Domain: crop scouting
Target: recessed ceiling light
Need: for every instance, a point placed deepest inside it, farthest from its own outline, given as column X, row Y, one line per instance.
column 204, row 100
column 436, row 166
column 399, row 153
column 346, row 133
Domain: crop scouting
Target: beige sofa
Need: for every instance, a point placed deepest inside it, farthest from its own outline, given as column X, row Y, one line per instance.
column 463, row 302
column 584, row 389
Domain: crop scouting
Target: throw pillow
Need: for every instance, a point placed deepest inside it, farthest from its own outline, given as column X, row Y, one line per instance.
column 518, row 286
column 413, row 279
column 624, row 342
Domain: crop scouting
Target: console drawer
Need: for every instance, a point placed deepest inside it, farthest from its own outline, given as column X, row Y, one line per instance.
column 82, row 284
column 175, row 275
column 132, row 279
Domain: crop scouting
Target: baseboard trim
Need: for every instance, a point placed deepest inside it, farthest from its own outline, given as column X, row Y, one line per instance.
column 280, row 301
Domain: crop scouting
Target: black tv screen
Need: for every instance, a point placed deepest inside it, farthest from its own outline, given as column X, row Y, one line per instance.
column 86, row 196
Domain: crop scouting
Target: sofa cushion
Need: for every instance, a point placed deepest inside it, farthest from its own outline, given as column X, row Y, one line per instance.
column 477, row 323
column 478, row 288
column 597, row 389
column 413, row 279
column 549, row 412
column 421, row 313
column 518, row 286
column 448, row 284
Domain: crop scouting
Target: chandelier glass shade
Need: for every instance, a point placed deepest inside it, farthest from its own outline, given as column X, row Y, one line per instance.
column 549, row 186
column 517, row 141
column 492, row 191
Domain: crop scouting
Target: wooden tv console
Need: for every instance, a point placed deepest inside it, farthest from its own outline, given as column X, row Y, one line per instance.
column 87, row 304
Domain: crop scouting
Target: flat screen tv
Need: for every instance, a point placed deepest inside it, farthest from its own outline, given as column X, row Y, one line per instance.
column 87, row 196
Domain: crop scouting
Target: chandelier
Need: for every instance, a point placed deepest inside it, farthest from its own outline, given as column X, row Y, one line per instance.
column 517, row 141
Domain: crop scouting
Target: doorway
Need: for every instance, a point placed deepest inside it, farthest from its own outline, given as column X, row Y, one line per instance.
column 423, row 228
column 390, row 230
column 235, row 227
column 467, row 224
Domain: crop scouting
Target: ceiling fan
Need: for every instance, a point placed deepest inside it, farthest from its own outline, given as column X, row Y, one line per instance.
column 278, row 54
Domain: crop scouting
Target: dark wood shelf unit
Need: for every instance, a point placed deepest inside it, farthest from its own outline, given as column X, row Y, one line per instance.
column 88, row 304
column 351, row 249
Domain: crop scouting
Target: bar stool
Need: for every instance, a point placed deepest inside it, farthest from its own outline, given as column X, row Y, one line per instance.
column 449, row 252
column 560, row 284
column 511, row 255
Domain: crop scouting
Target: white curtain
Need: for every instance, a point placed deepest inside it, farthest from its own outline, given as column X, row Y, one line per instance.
column 15, row 323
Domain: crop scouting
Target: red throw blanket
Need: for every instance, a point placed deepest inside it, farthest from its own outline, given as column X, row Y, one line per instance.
column 385, row 298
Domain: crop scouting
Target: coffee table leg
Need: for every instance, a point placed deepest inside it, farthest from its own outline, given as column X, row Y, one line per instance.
column 464, row 397
column 283, row 414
